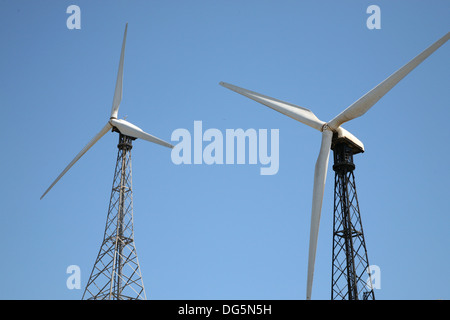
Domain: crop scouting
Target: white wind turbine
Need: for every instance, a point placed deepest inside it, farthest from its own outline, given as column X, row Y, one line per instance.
column 357, row 109
column 124, row 127
column 116, row 273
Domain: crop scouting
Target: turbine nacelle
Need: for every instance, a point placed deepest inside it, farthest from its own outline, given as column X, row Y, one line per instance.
column 333, row 130
column 350, row 139
column 128, row 129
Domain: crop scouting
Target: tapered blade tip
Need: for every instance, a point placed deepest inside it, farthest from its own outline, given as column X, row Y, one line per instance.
column 43, row 195
column 228, row 86
column 168, row 145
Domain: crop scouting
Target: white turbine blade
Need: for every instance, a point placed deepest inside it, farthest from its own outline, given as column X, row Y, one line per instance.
column 320, row 175
column 118, row 91
column 129, row 129
column 295, row 112
column 105, row 129
column 360, row 107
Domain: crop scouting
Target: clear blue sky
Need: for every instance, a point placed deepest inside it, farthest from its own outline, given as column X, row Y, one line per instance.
column 221, row 231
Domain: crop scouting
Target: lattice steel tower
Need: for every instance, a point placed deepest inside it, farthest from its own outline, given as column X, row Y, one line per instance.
column 350, row 273
column 116, row 274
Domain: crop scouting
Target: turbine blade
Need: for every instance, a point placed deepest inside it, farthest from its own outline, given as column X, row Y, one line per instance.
column 295, row 112
column 104, row 130
column 118, row 91
column 361, row 106
column 320, row 175
column 129, row 129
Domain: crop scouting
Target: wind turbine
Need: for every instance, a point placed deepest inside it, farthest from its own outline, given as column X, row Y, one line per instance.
column 333, row 132
column 108, row 279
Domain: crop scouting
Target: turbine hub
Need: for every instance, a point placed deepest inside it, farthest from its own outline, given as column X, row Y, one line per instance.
column 326, row 127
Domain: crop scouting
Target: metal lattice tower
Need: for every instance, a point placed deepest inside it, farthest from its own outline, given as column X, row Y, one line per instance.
column 350, row 273
column 116, row 273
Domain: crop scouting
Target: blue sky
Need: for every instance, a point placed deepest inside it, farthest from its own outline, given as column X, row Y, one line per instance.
column 221, row 231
